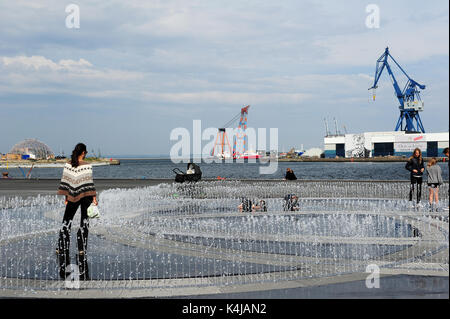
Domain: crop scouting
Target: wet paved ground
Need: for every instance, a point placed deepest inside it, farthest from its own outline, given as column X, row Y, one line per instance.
column 397, row 286
column 391, row 287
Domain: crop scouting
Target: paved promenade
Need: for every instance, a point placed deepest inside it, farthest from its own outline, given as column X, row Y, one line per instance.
column 30, row 187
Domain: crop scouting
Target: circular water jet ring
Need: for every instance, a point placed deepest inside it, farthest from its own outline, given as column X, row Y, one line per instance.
column 153, row 252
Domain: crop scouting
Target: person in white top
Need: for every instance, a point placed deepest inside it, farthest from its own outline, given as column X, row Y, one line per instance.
column 434, row 180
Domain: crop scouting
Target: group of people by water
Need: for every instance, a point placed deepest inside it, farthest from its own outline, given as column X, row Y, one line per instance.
column 77, row 186
column 416, row 167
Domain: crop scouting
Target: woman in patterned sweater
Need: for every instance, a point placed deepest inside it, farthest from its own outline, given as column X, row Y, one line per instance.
column 77, row 186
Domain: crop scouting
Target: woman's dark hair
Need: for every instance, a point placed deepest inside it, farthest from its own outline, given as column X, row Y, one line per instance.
column 445, row 152
column 77, row 151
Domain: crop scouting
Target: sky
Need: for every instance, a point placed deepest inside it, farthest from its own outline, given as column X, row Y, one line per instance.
column 136, row 70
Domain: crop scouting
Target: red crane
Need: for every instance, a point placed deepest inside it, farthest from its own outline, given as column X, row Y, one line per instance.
column 223, row 142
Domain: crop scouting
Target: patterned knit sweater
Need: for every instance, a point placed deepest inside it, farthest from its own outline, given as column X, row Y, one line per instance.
column 77, row 182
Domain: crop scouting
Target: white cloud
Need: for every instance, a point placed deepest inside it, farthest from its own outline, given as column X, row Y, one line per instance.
column 220, row 97
column 40, row 75
column 40, row 62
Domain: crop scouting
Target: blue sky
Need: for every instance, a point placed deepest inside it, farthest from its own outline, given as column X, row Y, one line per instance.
column 135, row 70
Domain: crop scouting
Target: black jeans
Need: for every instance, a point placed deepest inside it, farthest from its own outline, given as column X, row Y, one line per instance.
column 414, row 181
column 82, row 235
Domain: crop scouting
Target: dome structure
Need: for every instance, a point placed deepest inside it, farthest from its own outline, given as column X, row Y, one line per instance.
column 33, row 148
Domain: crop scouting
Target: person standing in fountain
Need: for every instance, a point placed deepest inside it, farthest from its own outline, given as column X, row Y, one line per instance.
column 77, row 186
column 261, row 207
column 245, row 205
column 434, row 180
column 291, row 203
column 416, row 167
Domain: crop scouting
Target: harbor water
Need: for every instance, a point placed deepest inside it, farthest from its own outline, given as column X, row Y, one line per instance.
column 162, row 168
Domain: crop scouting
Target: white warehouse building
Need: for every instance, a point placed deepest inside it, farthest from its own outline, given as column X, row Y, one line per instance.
column 397, row 143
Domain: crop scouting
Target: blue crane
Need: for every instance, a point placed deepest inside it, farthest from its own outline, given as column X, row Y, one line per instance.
column 409, row 99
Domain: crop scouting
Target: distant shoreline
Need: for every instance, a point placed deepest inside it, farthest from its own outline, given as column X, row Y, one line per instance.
column 54, row 163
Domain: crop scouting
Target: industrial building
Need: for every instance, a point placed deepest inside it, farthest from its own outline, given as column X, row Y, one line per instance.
column 396, row 143
column 409, row 133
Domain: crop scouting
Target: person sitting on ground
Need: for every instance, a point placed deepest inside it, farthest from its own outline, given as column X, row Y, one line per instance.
column 260, row 207
column 245, row 205
column 290, row 176
column 291, row 203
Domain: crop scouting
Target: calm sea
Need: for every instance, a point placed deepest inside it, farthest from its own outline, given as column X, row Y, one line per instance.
column 162, row 168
